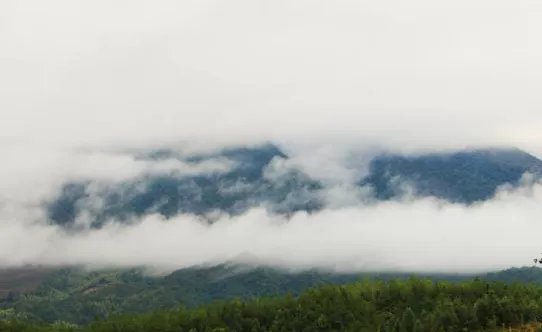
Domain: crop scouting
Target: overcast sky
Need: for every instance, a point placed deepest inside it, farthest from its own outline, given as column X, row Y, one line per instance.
column 412, row 73
column 82, row 80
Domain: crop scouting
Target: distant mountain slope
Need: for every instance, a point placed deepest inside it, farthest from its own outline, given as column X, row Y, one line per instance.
column 463, row 177
column 22, row 280
column 416, row 304
column 234, row 191
column 78, row 296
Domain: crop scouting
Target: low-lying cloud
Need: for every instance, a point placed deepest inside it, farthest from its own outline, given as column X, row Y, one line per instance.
column 84, row 84
column 421, row 235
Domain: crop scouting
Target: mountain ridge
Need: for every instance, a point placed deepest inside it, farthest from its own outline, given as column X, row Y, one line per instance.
column 462, row 177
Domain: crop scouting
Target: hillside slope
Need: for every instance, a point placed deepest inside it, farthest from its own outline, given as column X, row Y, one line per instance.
column 78, row 296
column 464, row 177
column 398, row 305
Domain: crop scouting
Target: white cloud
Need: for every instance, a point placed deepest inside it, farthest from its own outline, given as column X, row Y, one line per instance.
column 84, row 80
column 414, row 236
column 32, row 175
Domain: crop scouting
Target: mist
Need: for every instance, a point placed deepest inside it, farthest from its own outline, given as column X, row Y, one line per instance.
column 407, row 235
column 85, row 84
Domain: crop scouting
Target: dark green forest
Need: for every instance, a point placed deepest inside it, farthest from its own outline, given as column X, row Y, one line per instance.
column 412, row 304
column 78, row 296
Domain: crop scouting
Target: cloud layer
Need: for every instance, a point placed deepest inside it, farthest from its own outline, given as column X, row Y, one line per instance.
column 84, row 83
column 413, row 236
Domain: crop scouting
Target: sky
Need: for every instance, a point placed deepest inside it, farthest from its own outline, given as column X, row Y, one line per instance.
column 84, row 83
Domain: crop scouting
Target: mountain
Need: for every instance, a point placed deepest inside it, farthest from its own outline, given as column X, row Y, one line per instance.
column 462, row 177
column 70, row 294
column 234, row 191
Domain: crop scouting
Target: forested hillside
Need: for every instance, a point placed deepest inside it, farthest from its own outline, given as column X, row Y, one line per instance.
column 463, row 177
column 397, row 305
column 79, row 296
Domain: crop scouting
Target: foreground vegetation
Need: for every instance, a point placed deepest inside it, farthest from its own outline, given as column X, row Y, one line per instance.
column 397, row 305
column 79, row 296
